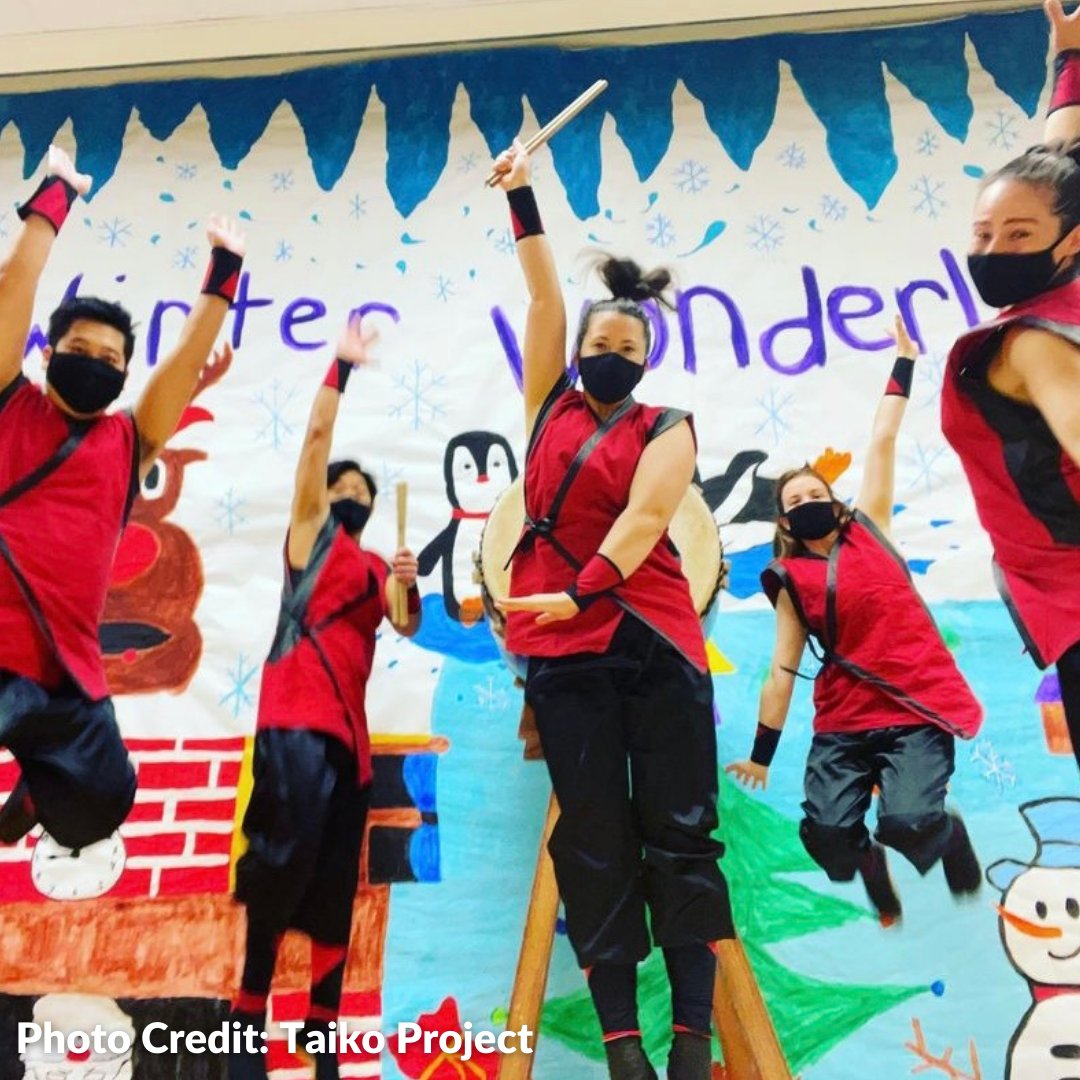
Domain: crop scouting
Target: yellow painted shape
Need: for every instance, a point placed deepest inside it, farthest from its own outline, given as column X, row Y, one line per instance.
column 719, row 664
column 243, row 797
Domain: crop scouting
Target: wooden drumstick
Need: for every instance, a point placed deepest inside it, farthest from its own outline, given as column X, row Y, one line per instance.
column 399, row 601
column 530, row 979
column 560, row 121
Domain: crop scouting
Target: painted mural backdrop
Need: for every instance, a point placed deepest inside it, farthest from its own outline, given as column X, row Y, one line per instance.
column 804, row 187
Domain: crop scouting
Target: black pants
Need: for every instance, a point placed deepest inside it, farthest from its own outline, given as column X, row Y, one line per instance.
column 630, row 743
column 910, row 766
column 74, row 764
column 305, row 828
column 1068, row 669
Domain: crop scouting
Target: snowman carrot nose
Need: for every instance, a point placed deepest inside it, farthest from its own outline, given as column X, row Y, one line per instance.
column 1029, row 928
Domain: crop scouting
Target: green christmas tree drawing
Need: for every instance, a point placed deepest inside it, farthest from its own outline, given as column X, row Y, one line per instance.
column 811, row 1016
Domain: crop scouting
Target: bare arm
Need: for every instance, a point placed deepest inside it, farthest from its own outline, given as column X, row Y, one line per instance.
column 661, row 480
column 778, row 687
column 878, row 484
column 544, row 355
column 311, row 500
column 1048, row 367
column 1063, row 123
column 21, row 270
column 175, row 379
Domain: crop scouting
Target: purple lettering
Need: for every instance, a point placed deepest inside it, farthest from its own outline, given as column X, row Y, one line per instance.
column 301, row 310
column 959, row 283
column 905, row 301
column 240, row 307
column 153, row 335
column 811, row 322
column 739, row 341
column 839, row 318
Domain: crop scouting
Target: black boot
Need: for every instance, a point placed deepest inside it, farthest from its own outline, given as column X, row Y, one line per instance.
column 959, row 861
column 17, row 817
column 690, row 1057
column 874, row 871
column 326, row 1063
column 248, row 1064
column 626, row 1059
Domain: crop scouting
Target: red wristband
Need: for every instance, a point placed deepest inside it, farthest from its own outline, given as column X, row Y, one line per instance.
column 595, row 579
column 900, row 379
column 52, row 200
column 1066, row 80
column 337, row 375
column 524, row 213
column 223, row 273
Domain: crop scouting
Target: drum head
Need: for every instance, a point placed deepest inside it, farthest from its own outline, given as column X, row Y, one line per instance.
column 693, row 531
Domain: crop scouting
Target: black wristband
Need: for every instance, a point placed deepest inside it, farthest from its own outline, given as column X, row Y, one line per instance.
column 223, row 273
column 900, row 379
column 524, row 213
column 337, row 375
column 52, row 200
column 766, row 741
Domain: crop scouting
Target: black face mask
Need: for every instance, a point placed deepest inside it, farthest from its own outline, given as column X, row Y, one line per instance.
column 812, row 520
column 351, row 514
column 85, row 384
column 609, row 377
column 1004, row 279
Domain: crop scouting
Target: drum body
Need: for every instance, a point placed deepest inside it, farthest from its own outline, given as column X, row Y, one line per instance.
column 693, row 531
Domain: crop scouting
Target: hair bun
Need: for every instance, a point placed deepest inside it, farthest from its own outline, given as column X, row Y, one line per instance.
column 626, row 280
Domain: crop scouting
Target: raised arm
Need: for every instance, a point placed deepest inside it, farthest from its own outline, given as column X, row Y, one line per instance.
column 544, row 354
column 174, row 380
column 1063, row 118
column 878, row 483
column 664, row 472
column 42, row 215
column 311, row 499
column 775, row 695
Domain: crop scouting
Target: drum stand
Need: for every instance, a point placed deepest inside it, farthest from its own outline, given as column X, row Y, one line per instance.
column 747, row 1038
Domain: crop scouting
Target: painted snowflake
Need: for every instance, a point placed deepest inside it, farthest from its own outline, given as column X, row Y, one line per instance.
column 283, row 252
column 1004, row 130
column 239, row 697
column 923, row 462
column 282, row 181
column 187, row 171
column 928, row 196
column 115, row 233
column 774, row 422
column 927, row 144
column 357, row 207
column 444, row 288
column 468, row 162
column 996, row 770
column 418, row 405
column 832, row 208
column 489, row 697
column 793, row 156
column 277, row 427
column 691, row 177
column 658, row 231
column 766, row 234
column 504, row 242
column 229, row 515
column 185, row 258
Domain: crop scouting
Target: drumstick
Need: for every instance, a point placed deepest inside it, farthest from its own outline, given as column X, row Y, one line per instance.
column 399, row 603
column 530, row 979
column 560, row 121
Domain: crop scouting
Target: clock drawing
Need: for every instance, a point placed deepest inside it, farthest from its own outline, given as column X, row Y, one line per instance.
column 62, row 873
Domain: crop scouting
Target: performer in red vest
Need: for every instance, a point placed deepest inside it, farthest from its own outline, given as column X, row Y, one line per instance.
column 1010, row 404
column 69, row 471
column 617, row 671
column 312, row 768
column 889, row 700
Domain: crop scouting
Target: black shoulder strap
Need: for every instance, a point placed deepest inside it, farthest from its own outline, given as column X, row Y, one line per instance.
column 665, row 421
column 9, row 391
column 77, row 433
column 136, row 465
column 562, row 384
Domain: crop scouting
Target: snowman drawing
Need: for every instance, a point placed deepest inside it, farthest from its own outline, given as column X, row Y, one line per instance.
column 1040, row 931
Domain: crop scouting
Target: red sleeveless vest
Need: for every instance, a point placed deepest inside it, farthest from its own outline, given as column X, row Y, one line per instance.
column 68, row 490
column 319, row 664
column 885, row 663
column 1026, row 488
column 547, row 559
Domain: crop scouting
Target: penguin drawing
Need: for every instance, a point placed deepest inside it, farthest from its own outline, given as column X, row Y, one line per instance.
column 750, row 497
column 478, row 467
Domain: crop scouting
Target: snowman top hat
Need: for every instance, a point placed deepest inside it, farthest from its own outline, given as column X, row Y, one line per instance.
column 1055, row 825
